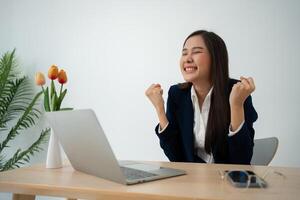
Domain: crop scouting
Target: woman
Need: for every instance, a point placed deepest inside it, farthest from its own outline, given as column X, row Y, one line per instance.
column 210, row 117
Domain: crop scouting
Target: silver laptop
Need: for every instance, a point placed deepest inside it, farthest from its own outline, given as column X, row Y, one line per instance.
column 88, row 150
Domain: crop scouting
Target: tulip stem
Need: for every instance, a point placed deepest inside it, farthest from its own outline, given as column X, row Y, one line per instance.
column 61, row 88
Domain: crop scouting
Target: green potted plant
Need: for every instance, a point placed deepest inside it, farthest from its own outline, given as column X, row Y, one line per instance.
column 18, row 112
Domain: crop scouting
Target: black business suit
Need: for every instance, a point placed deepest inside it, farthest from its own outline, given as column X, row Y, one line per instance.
column 177, row 140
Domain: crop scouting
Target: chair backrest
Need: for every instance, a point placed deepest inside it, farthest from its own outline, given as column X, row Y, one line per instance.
column 264, row 150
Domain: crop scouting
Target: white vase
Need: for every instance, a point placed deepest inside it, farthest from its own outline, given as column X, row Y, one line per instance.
column 54, row 157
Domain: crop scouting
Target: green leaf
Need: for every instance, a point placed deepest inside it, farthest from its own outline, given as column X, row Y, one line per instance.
column 25, row 121
column 46, row 100
column 14, row 99
column 61, row 97
column 22, row 157
column 54, row 101
column 52, row 89
column 7, row 69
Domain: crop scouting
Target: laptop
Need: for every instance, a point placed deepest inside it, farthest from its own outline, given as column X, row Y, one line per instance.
column 89, row 151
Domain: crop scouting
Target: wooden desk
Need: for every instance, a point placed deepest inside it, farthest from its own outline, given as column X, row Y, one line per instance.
column 202, row 182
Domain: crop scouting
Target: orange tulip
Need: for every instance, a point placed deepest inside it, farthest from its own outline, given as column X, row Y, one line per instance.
column 62, row 77
column 53, row 72
column 40, row 79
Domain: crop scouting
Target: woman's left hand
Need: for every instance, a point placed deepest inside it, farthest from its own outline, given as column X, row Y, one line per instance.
column 240, row 91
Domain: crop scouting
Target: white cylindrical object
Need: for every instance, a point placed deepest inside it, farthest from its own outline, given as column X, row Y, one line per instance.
column 54, row 158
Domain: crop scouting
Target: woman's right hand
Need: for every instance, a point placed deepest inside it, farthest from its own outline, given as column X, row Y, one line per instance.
column 154, row 93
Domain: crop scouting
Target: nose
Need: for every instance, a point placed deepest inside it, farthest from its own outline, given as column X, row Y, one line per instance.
column 189, row 58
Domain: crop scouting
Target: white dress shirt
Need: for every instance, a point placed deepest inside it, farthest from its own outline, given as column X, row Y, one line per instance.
column 200, row 122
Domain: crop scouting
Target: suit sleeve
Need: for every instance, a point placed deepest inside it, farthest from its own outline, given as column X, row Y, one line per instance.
column 170, row 139
column 240, row 145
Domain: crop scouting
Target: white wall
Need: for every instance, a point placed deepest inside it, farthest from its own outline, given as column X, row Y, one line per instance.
column 113, row 50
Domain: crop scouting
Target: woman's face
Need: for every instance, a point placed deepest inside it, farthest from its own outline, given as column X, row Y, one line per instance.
column 195, row 60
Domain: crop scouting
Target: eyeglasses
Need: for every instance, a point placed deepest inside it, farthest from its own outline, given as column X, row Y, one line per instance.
column 243, row 179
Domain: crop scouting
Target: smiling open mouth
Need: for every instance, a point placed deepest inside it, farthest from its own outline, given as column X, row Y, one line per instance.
column 190, row 69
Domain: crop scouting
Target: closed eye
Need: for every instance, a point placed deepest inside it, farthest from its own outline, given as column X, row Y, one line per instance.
column 184, row 53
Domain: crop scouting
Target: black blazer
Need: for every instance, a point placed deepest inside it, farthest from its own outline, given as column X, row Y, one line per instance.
column 177, row 140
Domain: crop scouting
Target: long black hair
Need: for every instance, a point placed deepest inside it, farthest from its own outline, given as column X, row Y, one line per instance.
column 219, row 113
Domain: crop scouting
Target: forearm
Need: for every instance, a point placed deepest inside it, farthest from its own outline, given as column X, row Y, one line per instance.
column 162, row 117
column 240, row 146
column 237, row 116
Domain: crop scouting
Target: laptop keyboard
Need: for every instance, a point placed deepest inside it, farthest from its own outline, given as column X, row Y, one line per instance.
column 133, row 174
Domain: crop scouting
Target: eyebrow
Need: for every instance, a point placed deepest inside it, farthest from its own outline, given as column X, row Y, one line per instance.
column 184, row 49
